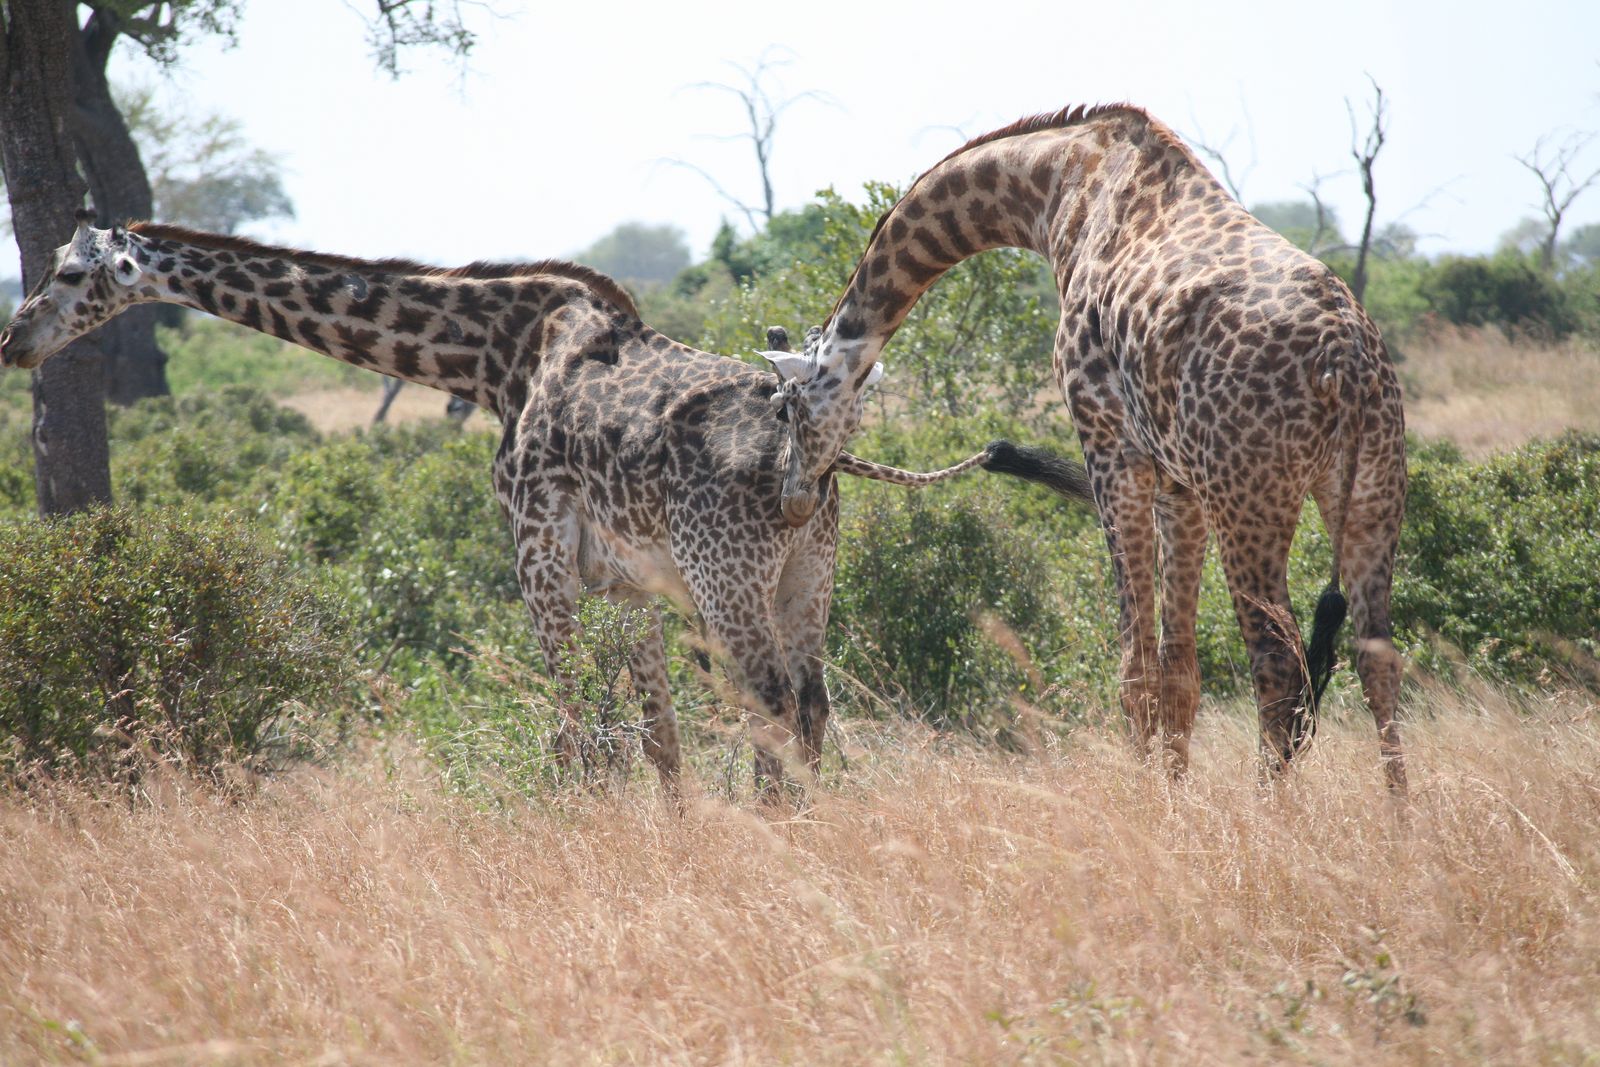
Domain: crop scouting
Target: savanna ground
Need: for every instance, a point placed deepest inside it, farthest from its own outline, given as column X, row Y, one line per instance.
column 937, row 899
column 938, row 902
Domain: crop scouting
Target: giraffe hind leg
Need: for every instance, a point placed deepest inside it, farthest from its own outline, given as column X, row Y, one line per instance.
column 1253, row 542
column 1181, row 523
column 1371, row 537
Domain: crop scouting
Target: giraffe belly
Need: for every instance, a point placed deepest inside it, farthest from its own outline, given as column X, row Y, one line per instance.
column 615, row 566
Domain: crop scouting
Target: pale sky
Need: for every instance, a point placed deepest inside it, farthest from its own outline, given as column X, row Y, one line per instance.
column 558, row 130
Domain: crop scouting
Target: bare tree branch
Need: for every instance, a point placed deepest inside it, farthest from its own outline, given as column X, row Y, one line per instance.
column 1553, row 168
column 400, row 24
column 761, row 114
column 1324, row 213
column 745, row 209
column 1366, row 154
column 1217, row 152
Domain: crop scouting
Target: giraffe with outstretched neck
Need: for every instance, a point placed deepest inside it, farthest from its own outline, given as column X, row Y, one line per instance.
column 629, row 465
column 1216, row 375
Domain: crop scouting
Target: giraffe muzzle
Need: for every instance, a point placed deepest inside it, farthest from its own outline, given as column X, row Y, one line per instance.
column 799, row 505
column 12, row 354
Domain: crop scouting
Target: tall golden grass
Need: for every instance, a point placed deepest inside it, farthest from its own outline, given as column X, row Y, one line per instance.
column 1486, row 392
column 939, row 902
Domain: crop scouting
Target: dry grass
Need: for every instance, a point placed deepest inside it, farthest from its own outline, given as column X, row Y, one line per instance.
column 1487, row 393
column 352, row 408
column 939, row 904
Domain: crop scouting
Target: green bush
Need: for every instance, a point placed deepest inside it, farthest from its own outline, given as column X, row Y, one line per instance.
column 405, row 523
column 1499, row 559
column 1505, row 290
column 202, row 448
column 206, row 353
column 121, row 629
column 930, row 588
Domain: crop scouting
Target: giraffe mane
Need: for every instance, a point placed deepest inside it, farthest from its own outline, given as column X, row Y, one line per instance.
column 481, row 270
column 1071, row 115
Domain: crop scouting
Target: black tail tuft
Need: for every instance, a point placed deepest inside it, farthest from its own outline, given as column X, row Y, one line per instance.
column 1062, row 475
column 1325, row 625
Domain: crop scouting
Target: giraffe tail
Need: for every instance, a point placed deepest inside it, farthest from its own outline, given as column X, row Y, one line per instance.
column 882, row 472
column 1330, row 615
column 1332, row 606
column 1039, row 465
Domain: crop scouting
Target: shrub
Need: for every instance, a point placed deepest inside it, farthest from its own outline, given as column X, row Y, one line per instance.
column 1506, row 290
column 493, row 726
column 931, row 591
column 121, row 629
column 203, row 448
column 1499, row 559
column 408, row 521
column 206, row 353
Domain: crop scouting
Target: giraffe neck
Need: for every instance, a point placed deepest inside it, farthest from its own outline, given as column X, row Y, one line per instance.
column 462, row 331
column 1063, row 186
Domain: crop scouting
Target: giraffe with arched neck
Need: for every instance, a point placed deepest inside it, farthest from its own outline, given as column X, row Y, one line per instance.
column 1216, row 375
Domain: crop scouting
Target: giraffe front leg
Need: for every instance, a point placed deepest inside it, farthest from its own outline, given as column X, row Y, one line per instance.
column 1181, row 524
column 648, row 666
column 1124, row 487
column 545, row 529
column 805, row 593
column 760, row 673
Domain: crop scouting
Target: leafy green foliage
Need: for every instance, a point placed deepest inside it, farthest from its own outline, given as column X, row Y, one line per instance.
column 1507, row 290
column 639, row 254
column 980, row 336
column 121, row 629
column 201, row 447
column 206, row 353
column 922, row 590
column 413, row 536
column 1499, row 560
column 494, row 725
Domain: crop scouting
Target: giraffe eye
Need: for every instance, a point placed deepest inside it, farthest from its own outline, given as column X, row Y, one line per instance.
column 70, row 277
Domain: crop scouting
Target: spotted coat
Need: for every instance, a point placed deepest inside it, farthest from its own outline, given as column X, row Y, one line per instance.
column 629, row 465
column 1216, row 375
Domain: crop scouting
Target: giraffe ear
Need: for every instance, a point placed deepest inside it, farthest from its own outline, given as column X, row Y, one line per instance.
column 788, row 364
column 874, row 376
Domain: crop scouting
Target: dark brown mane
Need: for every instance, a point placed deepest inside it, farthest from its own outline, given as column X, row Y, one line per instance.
column 604, row 286
column 1067, row 116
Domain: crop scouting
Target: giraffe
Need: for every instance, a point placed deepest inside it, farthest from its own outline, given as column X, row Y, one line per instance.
column 1216, row 375
column 629, row 466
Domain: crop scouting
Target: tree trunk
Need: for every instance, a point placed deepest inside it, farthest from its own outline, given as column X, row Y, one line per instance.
column 71, row 459
column 135, row 366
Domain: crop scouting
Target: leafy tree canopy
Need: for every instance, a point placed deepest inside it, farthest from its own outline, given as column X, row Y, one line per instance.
column 639, row 253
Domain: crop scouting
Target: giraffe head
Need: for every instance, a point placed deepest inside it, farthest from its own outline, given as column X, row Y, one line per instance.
column 90, row 279
column 822, row 405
